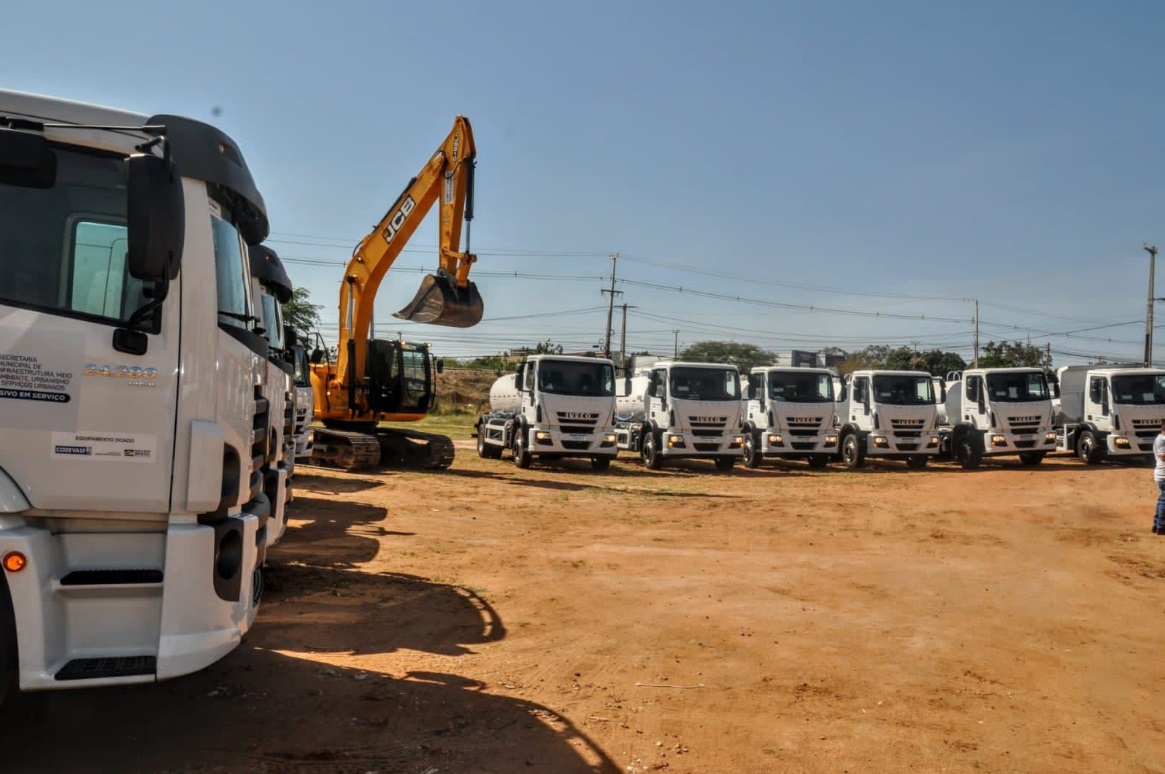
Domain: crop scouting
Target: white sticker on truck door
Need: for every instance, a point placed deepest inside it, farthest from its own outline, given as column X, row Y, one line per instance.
column 105, row 447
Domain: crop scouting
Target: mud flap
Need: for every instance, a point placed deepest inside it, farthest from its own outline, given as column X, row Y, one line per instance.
column 440, row 302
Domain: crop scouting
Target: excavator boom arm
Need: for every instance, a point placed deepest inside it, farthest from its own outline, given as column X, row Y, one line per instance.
column 447, row 298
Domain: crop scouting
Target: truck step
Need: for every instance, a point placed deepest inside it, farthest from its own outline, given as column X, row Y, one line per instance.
column 111, row 577
column 109, row 666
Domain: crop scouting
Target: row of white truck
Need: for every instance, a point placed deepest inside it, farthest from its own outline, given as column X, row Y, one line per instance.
column 558, row 406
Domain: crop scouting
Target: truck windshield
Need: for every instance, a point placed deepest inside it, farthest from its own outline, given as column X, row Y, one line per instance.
column 63, row 249
column 791, row 387
column 1018, row 387
column 903, row 389
column 705, row 383
column 562, row 377
column 1139, row 389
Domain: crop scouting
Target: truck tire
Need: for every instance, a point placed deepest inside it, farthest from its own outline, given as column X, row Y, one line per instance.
column 522, row 456
column 917, row 462
column 725, row 464
column 818, row 461
column 600, row 463
column 968, row 452
column 853, row 455
column 652, row 459
column 1031, row 457
column 1088, row 449
column 752, row 456
column 487, row 451
column 8, row 659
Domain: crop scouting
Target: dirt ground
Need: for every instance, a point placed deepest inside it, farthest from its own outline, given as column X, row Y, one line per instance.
column 488, row 619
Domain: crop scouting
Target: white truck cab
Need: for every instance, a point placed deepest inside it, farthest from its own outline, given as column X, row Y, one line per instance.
column 680, row 410
column 789, row 413
column 890, row 414
column 993, row 412
column 271, row 288
column 1110, row 412
column 135, row 425
column 554, row 407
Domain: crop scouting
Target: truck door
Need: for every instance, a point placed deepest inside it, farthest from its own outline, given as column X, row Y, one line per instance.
column 658, row 402
column 1097, row 407
column 757, row 393
column 975, row 402
column 859, row 403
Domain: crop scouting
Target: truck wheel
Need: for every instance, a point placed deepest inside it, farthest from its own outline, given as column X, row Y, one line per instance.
column 522, row 456
column 1087, row 448
column 917, row 462
column 651, row 456
column 1031, row 458
column 600, row 463
column 751, row 453
column 724, row 464
column 8, row 659
column 968, row 451
column 818, row 461
column 852, row 453
column 487, row 451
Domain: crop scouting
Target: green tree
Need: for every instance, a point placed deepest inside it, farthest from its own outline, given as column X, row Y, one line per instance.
column 548, row 348
column 743, row 356
column 935, row 361
column 302, row 315
column 1005, row 354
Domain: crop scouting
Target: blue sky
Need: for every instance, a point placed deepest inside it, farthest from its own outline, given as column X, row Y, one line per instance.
column 887, row 160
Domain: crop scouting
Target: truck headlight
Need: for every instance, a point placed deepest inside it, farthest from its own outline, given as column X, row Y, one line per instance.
column 933, row 441
column 1049, row 437
column 831, row 440
column 675, row 440
column 881, row 442
column 998, row 440
column 737, row 442
column 1120, row 442
column 541, row 436
column 608, row 439
column 775, row 439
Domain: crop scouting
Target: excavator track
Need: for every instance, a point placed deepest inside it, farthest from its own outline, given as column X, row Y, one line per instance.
column 389, row 447
column 414, row 449
column 345, row 449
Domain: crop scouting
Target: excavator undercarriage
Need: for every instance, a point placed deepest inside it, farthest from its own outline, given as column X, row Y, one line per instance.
column 350, row 449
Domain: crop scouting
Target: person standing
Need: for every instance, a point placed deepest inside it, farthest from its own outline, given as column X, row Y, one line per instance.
column 1159, row 477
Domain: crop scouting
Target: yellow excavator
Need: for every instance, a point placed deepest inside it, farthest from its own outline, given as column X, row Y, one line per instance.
column 374, row 380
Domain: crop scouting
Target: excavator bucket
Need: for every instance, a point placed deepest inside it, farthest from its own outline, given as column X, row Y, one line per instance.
column 440, row 302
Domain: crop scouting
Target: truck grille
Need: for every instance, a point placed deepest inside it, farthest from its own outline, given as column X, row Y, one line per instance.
column 576, row 445
column 708, row 428
column 1146, row 428
column 907, row 424
column 707, row 447
column 1023, row 424
column 577, row 422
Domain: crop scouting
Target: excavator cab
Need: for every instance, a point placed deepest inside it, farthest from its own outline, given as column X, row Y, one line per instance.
column 440, row 301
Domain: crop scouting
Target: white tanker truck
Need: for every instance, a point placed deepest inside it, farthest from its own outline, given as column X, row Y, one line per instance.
column 554, row 407
column 682, row 410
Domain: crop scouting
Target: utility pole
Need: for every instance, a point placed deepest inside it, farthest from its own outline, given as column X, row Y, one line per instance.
column 610, row 307
column 623, row 338
column 677, row 348
column 1152, row 251
column 975, row 362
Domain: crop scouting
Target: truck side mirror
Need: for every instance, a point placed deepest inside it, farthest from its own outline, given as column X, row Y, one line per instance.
column 440, row 365
column 651, row 391
column 290, row 338
column 519, row 374
column 317, row 355
column 155, row 218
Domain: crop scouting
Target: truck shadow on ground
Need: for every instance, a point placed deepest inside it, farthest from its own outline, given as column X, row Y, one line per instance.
column 339, row 482
column 331, row 533
column 261, row 711
column 521, row 478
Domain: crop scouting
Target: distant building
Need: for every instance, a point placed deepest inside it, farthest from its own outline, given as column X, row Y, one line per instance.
column 800, row 358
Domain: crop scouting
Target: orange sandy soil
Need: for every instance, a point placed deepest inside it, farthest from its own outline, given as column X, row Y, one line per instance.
column 488, row 619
